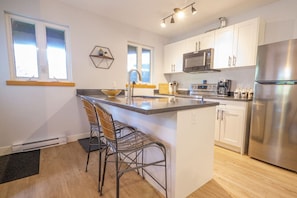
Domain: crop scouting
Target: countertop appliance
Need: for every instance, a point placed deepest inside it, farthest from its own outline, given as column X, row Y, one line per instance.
column 224, row 87
column 203, row 90
column 273, row 132
column 199, row 61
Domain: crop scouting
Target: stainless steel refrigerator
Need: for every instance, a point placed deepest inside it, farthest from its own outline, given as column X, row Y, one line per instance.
column 273, row 130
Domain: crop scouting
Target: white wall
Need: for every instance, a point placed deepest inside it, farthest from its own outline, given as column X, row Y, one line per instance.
column 34, row 113
column 280, row 24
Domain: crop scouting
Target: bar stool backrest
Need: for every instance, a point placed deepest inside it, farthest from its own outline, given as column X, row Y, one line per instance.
column 107, row 124
column 91, row 112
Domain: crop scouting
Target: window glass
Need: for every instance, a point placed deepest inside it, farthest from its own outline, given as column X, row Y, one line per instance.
column 25, row 49
column 56, row 53
column 132, row 62
column 146, row 65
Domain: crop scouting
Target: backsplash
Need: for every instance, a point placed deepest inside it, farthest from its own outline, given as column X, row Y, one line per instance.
column 242, row 77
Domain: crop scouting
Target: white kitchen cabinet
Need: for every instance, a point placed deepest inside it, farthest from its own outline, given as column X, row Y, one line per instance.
column 232, row 125
column 236, row 45
column 223, row 48
column 229, row 124
column 200, row 42
column 245, row 43
column 173, row 57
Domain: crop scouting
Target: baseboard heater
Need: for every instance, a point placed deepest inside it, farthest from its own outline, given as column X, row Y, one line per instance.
column 29, row 146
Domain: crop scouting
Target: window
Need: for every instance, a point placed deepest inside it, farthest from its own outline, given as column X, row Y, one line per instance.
column 39, row 50
column 140, row 58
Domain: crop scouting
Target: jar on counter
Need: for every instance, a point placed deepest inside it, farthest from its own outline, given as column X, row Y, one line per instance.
column 244, row 94
column 250, row 94
column 237, row 93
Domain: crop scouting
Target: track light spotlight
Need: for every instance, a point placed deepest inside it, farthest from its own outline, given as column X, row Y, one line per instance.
column 194, row 11
column 179, row 12
column 172, row 19
column 163, row 24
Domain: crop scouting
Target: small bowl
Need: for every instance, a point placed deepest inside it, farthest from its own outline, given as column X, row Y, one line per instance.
column 111, row 93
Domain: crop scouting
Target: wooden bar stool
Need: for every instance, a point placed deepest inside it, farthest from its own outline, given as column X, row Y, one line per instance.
column 128, row 151
column 96, row 137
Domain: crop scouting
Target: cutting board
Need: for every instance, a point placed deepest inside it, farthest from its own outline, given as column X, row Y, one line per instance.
column 163, row 88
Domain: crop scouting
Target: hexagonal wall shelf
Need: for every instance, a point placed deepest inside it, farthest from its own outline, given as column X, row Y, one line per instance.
column 101, row 57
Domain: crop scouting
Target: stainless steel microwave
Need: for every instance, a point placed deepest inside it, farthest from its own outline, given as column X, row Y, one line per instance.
column 200, row 61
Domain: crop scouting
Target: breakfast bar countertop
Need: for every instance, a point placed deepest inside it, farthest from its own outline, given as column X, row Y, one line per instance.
column 151, row 104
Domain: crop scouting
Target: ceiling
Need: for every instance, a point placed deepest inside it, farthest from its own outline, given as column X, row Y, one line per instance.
column 148, row 14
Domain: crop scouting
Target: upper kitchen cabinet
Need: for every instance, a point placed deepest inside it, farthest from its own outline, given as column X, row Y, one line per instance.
column 223, row 49
column 236, row 45
column 200, row 42
column 173, row 57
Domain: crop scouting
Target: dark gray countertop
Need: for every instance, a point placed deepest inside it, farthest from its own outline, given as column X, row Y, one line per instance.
column 150, row 105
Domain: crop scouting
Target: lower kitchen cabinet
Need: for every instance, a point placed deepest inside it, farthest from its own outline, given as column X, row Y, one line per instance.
column 229, row 123
column 232, row 125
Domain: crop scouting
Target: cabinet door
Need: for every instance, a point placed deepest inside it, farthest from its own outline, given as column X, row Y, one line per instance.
column 207, row 40
column 245, row 43
column 173, row 57
column 192, row 44
column 231, row 127
column 200, row 42
column 223, row 47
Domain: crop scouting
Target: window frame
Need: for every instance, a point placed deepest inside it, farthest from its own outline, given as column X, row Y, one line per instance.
column 41, row 45
column 139, row 48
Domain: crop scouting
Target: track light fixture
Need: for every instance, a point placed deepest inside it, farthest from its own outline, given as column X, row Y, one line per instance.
column 179, row 12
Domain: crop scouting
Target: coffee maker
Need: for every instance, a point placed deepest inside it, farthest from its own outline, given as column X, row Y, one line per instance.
column 224, row 87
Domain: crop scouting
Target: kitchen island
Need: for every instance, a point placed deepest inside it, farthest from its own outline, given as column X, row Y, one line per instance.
column 186, row 127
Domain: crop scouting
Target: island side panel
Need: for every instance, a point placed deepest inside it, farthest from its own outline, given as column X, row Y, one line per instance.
column 194, row 149
column 161, row 126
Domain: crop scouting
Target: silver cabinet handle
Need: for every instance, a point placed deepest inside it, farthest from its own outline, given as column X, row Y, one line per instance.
column 222, row 115
column 229, row 61
column 234, row 60
column 218, row 113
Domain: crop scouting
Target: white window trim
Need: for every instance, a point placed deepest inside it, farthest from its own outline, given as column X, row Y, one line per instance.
column 42, row 64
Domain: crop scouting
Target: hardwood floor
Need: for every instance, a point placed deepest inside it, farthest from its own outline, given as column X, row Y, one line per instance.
column 62, row 175
column 240, row 176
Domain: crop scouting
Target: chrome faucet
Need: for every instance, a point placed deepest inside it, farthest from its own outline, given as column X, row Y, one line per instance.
column 129, row 83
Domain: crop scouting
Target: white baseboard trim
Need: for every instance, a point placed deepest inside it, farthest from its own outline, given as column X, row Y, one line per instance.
column 73, row 138
column 6, row 150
